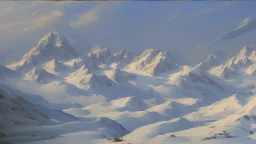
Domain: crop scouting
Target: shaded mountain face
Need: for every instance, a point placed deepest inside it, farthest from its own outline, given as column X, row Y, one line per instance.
column 214, row 60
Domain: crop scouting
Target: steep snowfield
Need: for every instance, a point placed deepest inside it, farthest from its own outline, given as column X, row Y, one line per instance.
column 152, row 98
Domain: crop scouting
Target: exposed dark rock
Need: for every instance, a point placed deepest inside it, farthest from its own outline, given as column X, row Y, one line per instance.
column 3, row 135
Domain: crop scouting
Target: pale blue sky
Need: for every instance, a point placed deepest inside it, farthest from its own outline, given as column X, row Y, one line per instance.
column 188, row 27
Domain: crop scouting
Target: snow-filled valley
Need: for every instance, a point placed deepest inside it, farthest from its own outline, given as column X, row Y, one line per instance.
column 55, row 95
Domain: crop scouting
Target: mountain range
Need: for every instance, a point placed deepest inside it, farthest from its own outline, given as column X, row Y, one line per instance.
column 55, row 94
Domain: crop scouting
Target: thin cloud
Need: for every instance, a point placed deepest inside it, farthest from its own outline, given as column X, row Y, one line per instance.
column 245, row 26
column 45, row 20
column 88, row 17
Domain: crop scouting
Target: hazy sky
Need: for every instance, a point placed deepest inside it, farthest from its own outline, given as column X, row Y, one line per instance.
column 196, row 29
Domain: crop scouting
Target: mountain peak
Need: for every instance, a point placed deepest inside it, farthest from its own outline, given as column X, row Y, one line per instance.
column 54, row 67
column 100, row 55
column 245, row 51
column 52, row 38
column 153, row 62
column 54, row 41
column 52, row 46
column 39, row 75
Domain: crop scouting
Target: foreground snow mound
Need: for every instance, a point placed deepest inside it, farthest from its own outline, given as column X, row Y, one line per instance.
column 52, row 46
column 101, row 128
column 17, row 111
column 153, row 130
column 152, row 62
column 130, row 104
column 26, row 109
column 220, row 109
column 39, row 75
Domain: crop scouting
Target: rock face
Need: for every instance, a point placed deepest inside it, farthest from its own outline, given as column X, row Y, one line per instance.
column 52, row 46
column 153, row 62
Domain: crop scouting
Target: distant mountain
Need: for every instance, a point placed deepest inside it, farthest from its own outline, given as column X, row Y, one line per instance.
column 39, row 75
column 244, row 61
column 152, row 62
column 122, row 57
column 54, row 67
column 216, row 59
column 51, row 46
column 100, row 55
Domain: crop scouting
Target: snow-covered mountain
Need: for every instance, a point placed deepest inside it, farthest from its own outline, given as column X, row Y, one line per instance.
column 52, row 46
column 242, row 63
column 105, row 97
column 100, row 55
column 54, row 67
column 122, row 57
column 39, row 75
column 152, row 62
column 216, row 59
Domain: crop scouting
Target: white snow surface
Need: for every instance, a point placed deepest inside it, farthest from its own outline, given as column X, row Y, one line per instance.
column 55, row 95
